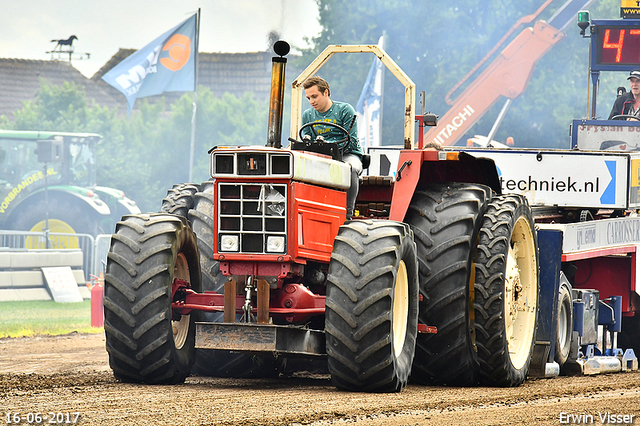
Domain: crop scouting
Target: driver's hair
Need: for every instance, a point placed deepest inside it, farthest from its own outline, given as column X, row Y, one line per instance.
column 317, row 81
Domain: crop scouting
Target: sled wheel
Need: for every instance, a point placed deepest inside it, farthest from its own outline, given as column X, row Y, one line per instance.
column 445, row 219
column 564, row 325
column 210, row 362
column 372, row 306
column 629, row 338
column 147, row 341
column 506, row 291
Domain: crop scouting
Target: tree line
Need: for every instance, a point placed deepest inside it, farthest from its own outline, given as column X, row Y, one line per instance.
column 435, row 42
column 147, row 153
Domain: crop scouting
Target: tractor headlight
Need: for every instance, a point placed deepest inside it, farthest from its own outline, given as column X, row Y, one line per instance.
column 229, row 243
column 275, row 244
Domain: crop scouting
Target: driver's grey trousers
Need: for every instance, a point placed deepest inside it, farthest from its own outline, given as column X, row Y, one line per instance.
column 352, row 192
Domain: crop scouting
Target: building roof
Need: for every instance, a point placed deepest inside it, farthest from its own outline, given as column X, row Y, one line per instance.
column 20, row 82
column 235, row 73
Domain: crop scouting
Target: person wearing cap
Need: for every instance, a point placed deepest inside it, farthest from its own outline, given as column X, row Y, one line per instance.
column 628, row 103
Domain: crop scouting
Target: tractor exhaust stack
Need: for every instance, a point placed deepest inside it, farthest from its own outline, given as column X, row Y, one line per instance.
column 276, row 100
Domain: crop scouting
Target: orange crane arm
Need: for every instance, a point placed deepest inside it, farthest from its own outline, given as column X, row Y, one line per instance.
column 508, row 75
column 524, row 20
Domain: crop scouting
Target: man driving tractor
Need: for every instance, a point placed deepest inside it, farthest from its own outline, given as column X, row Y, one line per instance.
column 324, row 109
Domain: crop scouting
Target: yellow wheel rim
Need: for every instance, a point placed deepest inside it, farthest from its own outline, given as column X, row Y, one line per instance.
column 181, row 328
column 400, row 309
column 57, row 242
column 521, row 289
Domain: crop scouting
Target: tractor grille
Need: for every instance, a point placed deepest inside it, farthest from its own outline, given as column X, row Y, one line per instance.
column 252, row 218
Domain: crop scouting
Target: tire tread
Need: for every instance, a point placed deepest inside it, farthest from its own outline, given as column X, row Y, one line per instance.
column 494, row 241
column 445, row 219
column 138, row 312
column 358, row 324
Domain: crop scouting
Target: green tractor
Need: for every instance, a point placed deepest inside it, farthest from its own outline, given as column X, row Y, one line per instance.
column 49, row 178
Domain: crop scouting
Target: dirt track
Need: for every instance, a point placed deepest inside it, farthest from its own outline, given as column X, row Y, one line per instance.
column 70, row 374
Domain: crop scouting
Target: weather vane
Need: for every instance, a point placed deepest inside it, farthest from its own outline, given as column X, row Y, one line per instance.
column 66, row 47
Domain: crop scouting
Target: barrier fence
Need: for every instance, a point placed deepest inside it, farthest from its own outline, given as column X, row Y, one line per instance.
column 94, row 250
column 100, row 251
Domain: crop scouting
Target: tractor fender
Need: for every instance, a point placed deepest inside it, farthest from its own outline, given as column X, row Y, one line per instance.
column 129, row 205
column 116, row 200
column 417, row 169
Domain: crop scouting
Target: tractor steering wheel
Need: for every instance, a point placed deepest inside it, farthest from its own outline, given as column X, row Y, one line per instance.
column 625, row 117
column 323, row 123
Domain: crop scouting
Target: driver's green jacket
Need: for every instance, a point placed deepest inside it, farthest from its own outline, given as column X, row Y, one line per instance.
column 340, row 113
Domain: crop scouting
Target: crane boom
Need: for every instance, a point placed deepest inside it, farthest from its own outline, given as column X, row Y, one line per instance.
column 508, row 74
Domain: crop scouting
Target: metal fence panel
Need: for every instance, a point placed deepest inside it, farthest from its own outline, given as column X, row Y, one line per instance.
column 103, row 244
column 53, row 241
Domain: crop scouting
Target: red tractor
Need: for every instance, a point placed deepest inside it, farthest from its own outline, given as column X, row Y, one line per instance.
column 256, row 270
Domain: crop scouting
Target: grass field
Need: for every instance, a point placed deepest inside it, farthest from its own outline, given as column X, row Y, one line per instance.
column 30, row 318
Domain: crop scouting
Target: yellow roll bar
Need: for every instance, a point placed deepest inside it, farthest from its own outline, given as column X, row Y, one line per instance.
column 409, row 86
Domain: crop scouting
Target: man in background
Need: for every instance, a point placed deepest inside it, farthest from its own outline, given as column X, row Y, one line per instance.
column 628, row 103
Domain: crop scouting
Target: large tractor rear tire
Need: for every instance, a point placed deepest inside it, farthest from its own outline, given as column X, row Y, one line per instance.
column 445, row 219
column 201, row 216
column 209, row 362
column 179, row 199
column 146, row 340
column 506, row 291
column 372, row 306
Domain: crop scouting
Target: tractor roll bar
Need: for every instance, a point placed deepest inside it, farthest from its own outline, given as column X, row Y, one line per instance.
column 409, row 86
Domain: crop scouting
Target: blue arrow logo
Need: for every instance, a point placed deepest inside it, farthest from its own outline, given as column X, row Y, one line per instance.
column 609, row 194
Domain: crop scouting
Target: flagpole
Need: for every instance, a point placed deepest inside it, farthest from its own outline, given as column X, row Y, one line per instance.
column 384, row 38
column 195, row 101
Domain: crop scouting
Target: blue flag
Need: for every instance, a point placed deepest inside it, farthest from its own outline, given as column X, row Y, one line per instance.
column 167, row 64
column 369, row 105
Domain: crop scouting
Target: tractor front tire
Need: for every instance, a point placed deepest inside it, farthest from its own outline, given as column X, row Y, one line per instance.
column 372, row 306
column 146, row 340
column 445, row 219
column 506, row 291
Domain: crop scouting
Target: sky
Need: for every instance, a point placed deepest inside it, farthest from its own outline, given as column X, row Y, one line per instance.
column 104, row 26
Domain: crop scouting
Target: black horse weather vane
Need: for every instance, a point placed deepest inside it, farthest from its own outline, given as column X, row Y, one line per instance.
column 65, row 46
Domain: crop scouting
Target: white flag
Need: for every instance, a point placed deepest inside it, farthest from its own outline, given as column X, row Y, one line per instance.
column 369, row 105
